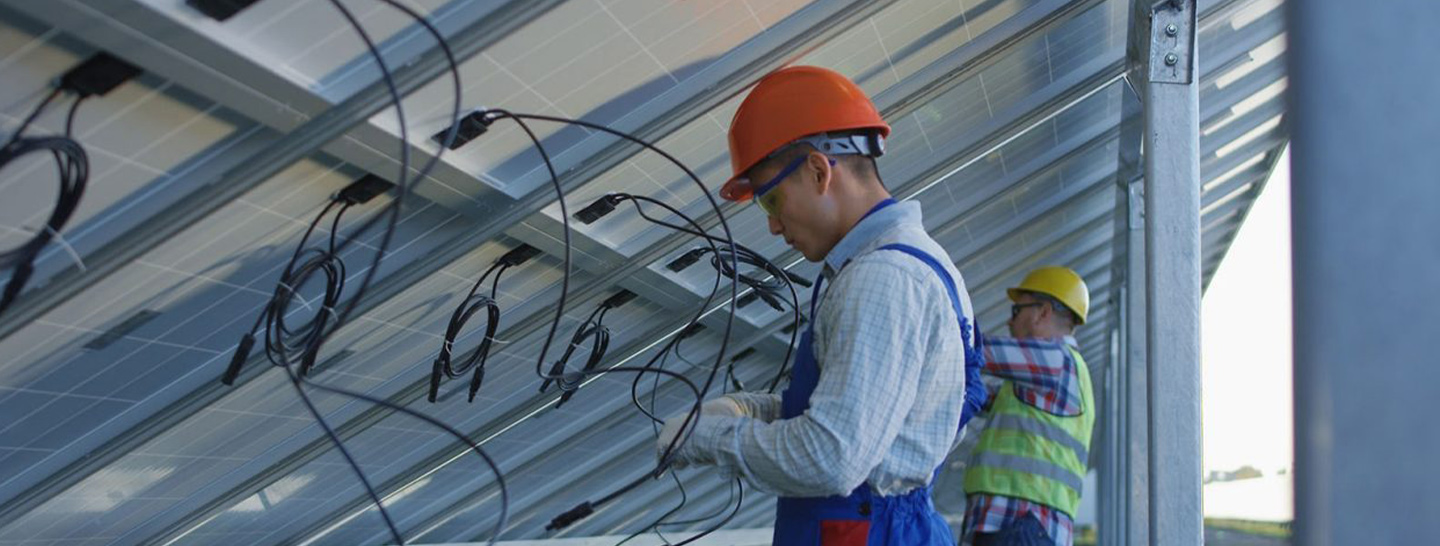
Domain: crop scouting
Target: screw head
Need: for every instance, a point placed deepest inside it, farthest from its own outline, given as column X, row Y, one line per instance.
column 1171, row 29
column 1171, row 59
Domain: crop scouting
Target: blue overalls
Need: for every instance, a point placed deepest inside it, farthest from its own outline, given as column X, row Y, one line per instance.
column 862, row 517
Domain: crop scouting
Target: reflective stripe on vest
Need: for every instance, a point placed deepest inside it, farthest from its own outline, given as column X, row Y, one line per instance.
column 1028, row 453
column 1028, row 425
column 1044, row 469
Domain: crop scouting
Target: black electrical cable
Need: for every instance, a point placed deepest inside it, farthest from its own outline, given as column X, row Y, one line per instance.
column 472, row 304
column 404, row 182
column 767, row 290
column 739, row 502
column 684, row 498
column 593, row 329
column 73, row 168
column 281, row 341
column 325, row 261
column 586, row 508
column 730, row 498
column 739, row 254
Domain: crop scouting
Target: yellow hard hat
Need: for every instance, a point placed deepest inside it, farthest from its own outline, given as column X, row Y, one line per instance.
column 1061, row 283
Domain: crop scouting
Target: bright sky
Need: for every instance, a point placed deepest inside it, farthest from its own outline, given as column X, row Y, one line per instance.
column 1245, row 339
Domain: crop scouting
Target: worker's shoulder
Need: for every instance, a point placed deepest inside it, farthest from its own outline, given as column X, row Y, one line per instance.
column 892, row 267
column 897, row 246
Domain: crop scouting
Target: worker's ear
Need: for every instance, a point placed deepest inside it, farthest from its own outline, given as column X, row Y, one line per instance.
column 823, row 171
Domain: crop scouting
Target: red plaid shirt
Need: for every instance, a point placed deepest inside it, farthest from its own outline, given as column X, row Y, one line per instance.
column 1043, row 371
column 990, row 514
column 1045, row 375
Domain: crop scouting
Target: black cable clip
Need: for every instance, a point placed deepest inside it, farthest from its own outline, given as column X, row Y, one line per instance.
column 466, row 129
column 686, row 260
column 518, row 255
column 602, row 206
column 363, row 190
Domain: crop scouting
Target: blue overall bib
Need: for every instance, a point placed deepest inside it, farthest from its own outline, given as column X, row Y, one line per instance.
column 862, row 517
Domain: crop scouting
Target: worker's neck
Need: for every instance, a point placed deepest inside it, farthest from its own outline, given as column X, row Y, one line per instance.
column 860, row 202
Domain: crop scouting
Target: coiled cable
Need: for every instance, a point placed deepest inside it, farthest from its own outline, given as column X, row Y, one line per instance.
column 73, row 167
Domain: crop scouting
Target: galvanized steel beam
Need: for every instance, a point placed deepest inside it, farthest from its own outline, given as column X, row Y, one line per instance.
column 1172, row 272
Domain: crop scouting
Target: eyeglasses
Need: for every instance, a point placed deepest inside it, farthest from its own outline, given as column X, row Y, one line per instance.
column 1017, row 308
column 770, row 200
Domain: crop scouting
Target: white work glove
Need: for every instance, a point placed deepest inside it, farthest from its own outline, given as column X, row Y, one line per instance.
column 722, row 406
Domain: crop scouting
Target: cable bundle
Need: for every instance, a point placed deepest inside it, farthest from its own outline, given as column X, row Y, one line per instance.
column 73, row 167
column 281, row 340
column 593, row 329
column 474, row 303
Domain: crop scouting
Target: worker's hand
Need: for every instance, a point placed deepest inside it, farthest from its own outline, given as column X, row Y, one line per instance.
column 722, row 406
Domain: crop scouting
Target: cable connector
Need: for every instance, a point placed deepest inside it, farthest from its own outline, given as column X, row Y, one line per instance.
column 363, row 190
column 435, row 372
column 467, row 129
column 802, row 281
column 685, row 260
column 475, row 382
column 597, row 210
column 242, row 353
column 98, row 75
column 518, row 255
column 573, row 515
column 620, row 298
column 770, row 298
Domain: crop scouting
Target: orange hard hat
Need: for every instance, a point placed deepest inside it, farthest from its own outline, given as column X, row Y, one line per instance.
column 788, row 104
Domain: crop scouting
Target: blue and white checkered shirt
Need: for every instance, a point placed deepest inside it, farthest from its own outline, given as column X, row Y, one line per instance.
column 892, row 377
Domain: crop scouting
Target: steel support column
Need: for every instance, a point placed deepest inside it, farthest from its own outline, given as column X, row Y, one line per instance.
column 1124, row 511
column 1172, row 270
column 1365, row 259
column 1135, row 413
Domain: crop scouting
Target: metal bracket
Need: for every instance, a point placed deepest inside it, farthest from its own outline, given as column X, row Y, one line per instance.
column 1136, row 192
column 1172, row 43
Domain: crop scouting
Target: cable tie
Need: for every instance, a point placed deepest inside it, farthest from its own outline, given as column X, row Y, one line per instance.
column 75, row 256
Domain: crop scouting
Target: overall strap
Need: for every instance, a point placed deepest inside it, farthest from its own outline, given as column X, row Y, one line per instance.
column 975, row 394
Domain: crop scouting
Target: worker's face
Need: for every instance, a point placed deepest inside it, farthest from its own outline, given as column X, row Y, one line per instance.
column 799, row 206
column 1027, row 316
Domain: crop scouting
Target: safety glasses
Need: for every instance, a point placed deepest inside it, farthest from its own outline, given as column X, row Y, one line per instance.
column 768, row 198
column 1017, row 308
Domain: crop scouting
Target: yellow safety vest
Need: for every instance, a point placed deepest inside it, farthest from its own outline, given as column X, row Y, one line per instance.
column 1028, row 453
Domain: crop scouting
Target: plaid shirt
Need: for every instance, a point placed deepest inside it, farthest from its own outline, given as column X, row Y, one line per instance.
column 892, row 377
column 990, row 514
column 1044, row 374
column 1043, row 371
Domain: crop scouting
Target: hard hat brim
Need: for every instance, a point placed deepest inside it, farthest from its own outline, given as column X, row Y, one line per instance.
column 737, row 189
